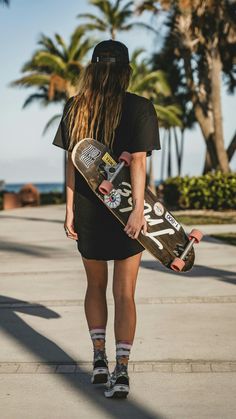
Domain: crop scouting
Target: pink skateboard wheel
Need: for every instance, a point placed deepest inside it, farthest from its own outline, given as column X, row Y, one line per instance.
column 196, row 234
column 105, row 187
column 177, row 264
column 126, row 158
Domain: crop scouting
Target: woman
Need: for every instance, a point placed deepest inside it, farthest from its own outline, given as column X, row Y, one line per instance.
column 104, row 110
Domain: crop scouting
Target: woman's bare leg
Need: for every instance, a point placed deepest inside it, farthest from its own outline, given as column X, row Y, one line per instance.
column 124, row 283
column 95, row 303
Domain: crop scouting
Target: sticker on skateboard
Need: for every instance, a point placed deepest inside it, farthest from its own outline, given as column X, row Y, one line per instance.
column 108, row 176
column 89, row 155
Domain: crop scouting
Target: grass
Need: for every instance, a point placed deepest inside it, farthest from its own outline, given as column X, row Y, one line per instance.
column 229, row 238
column 191, row 219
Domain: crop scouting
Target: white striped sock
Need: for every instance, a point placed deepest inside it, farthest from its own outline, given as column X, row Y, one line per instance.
column 122, row 351
column 98, row 336
column 97, row 333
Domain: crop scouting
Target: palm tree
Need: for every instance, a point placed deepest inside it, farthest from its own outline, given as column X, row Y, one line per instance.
column 203, row 34
column 113, row 18
column 53, row 70
column 154, row 85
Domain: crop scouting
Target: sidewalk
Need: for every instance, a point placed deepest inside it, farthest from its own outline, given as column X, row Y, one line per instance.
column 183, row 361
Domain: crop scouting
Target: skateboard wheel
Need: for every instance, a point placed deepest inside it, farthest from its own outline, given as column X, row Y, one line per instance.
column 105, row 187
column 177, row 264
column 125, row 157
column 196, row 234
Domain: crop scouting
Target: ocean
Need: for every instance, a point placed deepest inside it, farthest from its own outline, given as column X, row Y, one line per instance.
column 42, row 187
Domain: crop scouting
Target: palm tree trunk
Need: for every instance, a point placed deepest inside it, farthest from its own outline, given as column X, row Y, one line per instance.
column 113, row 34
column 181, row 151
column 205, row 121
column 231, row 147
column 169, row 168
column 178, row 151
column 206, row 126
column 64, row 177
column 163, row 156
column 215, row 75
column 151, row 176
column 207, row 164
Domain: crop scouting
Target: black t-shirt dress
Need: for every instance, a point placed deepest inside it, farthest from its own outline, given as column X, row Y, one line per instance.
column 100, row 235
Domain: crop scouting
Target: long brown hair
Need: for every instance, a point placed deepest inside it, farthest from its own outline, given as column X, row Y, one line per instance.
column 95, row 111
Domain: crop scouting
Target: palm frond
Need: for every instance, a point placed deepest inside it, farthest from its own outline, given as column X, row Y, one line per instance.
column 51, row 123
column 40, row 98
column 82, row 49
column 56, row 64
column 31, row 80
column 49, row 45
column 136, row 54
column 167, row 116
column 145, row 26
column 62, row 43
column 5, row 2
column 149, row 5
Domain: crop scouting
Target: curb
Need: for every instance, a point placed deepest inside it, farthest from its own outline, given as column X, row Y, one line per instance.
column 225, row 299
column 168, row 366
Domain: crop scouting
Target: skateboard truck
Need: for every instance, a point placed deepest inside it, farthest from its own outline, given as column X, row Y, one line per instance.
column 106, row 186
column 178, row 263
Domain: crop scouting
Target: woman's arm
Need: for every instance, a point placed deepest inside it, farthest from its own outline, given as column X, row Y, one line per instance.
column 70, row 186
column 136, row 219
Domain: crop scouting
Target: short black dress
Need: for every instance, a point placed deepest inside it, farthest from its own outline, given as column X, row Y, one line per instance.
column 100, row 235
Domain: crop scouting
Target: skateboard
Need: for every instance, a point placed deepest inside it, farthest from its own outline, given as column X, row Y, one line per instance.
column 109, row 178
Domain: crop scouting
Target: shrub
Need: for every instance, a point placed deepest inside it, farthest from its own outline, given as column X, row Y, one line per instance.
column 211, row 191
column 49, row 198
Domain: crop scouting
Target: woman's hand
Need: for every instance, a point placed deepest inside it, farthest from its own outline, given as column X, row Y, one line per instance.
column 69, row 225
column 135, row 223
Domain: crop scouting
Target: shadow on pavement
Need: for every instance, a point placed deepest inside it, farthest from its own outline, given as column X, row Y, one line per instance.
column 197, row 271
column 47, row 351
column 27, row 249
column 19, row 217
column 213, row 240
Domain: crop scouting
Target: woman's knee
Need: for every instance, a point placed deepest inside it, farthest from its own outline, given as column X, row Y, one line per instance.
column 123, row 295
column 97, row 287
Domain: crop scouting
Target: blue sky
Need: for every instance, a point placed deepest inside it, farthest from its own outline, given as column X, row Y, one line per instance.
column 26, row 155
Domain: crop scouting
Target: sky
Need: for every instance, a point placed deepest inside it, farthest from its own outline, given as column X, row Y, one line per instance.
column 25, row 154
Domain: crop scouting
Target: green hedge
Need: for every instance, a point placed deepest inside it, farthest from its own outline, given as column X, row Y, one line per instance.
column 211, row 191
column 49, row 198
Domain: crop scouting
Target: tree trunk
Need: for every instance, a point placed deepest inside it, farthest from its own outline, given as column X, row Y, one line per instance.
column 163, row 156
column 151, row 176
column 169, row 169
column 178, row 151
column 205, row 122
column 181, row 151
column 113, row 33
column 206, row 125
column 215, row 75
column 64, row 177
column 207, row 165
column 231, row 148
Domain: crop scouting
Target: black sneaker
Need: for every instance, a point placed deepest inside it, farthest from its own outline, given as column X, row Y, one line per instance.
column 118, row 383
column 100, row 368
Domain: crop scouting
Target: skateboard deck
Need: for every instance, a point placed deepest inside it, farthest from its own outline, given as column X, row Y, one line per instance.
column 165, row 238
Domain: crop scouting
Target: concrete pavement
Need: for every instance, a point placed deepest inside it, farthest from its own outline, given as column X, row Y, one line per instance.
column 182, row 363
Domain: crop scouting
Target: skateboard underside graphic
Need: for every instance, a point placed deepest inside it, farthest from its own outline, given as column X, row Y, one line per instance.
column 109, row 178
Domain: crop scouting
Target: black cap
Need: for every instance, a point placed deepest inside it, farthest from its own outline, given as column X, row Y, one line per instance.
column 110, row 51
